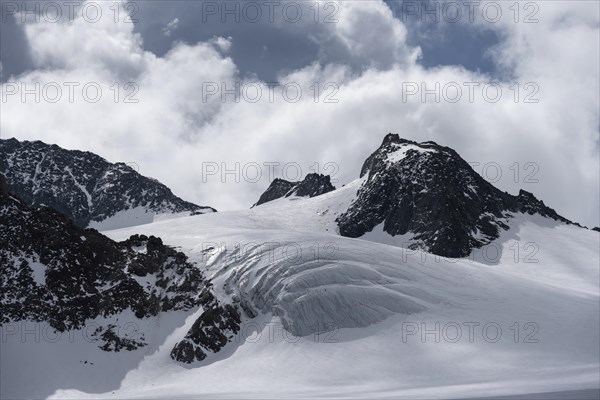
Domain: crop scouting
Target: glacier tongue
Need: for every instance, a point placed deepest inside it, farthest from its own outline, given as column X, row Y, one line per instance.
column 314, row 286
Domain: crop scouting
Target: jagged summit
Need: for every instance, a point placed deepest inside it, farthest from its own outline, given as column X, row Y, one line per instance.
column 276, row 190
column 83, row 185
column 312, row 185
column 429, row 192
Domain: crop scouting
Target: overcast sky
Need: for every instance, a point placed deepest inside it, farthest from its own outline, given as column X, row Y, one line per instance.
column 528, row 116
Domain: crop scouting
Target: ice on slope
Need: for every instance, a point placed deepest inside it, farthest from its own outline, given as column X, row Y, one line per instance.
column 316, row 286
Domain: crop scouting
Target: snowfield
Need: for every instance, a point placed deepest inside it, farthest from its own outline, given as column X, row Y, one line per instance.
column 340, row 317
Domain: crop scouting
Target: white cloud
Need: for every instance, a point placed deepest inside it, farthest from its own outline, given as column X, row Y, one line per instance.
column 362, row 34
column 171, row 131
column 102, row 46
column 171, row 26
column 224, row 44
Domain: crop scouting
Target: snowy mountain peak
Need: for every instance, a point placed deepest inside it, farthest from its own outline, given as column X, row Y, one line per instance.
column 429, row 193
column 394, row 149
column 84, row 186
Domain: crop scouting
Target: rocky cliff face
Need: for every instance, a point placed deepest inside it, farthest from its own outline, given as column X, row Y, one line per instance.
column 82, row 185
column 430, row 192
column 53, row 271
column 312, row 185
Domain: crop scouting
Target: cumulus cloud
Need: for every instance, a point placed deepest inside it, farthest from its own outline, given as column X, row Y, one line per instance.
column 360, row 34
column 101, row 46
column 224, row 44
column 180, row 124
column 171, row 26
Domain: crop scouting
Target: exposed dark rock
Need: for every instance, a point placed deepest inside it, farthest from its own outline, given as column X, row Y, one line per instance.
column 113, row 342
column 312, row 185
column 209, row 333
column 597, row 229
column 82, row 185
column 276, row 190
column 3, row 186
column 186, row 352
column 430, row 192
column 53, row 271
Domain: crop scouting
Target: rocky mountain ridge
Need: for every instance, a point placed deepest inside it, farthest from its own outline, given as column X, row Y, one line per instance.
column 53, row 271
column 312, row 185
column 82, row 185
column 430, row 193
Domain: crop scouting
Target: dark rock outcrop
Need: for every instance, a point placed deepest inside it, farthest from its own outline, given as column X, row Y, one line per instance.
column 276, row 190
column 211, row 331
column 430, row 192
column 82, row 185
column 312, row 185
column 53, row 271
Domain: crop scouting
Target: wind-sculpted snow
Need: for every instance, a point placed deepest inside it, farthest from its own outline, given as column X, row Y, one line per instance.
column 315, row 287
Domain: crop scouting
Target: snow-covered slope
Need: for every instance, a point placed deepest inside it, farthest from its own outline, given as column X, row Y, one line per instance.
column 383, row 321
column 361, row 309
column 315, row 214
